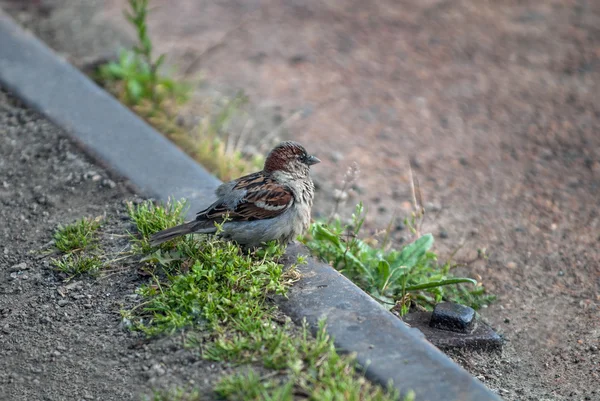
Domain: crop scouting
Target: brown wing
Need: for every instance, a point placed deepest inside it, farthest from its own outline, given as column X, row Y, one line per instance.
column 264, row 199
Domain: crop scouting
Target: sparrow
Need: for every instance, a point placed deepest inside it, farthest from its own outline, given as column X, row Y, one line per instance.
column 272, row 204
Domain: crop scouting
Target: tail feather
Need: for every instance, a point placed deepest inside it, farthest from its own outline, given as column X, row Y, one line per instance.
column 193, row 226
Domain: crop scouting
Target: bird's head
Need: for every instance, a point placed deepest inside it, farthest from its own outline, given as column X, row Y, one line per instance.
column 290, row 157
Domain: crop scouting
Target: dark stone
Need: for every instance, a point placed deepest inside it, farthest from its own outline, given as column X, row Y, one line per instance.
column 482, row 338
column 453, row 317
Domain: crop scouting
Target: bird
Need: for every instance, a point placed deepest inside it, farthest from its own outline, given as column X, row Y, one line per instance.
column 272, row 204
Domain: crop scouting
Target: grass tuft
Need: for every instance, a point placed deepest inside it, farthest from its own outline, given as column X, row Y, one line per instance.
column 77, row 236
column 150, row 219
column 74, row 265
column 216, row 284
column 218, row 296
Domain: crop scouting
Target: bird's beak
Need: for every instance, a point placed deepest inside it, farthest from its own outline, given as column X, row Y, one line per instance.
column 312, row 160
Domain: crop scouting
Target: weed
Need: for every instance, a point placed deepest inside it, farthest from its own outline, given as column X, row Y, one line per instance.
column 74, row 265
column 149, row 219
column 221, row 285
column 136, row 80
column 137, row 71
column 393, row 277
column 77, row 236
column 213, row 286
column 314, row 369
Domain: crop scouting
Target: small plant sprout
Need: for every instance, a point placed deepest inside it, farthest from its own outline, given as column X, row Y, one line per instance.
column 74, row 265
column 137, row 71
column 77, row 236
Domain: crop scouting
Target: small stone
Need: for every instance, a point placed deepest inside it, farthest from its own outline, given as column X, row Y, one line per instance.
column 157, row 370
column 88, row 175
column 62, row 302
column 87, row 306
column 444, row 234
column 6, row 329
column 432, row 207
column 18, row 267
column 561, row 273
column 108, row 183
column 45, row 320
column 453, row 317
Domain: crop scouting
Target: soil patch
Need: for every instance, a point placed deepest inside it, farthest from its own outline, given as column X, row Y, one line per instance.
column 65, row 340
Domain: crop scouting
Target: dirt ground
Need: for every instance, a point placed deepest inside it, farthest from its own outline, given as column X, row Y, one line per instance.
column 65, row 340
column 497, row 104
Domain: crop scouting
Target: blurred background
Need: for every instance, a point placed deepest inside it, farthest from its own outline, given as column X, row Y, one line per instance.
column 496, row 104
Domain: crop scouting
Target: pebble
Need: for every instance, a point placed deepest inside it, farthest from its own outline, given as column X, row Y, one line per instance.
column 444, row 234
column 62, row 302
column 18, row 267
column 108, row 183
column 90, row 174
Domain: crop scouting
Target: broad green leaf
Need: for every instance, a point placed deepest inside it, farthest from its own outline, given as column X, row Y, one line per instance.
column 135, row 90
column 411, row 253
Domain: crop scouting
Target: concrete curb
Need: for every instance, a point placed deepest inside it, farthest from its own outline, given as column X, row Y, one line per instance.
column 125, row 144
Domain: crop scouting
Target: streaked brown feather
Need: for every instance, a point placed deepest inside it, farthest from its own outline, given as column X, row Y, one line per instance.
column 264, row 199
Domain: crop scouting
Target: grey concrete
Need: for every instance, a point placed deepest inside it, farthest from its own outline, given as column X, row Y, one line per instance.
column 115, row 136
column 127, row 145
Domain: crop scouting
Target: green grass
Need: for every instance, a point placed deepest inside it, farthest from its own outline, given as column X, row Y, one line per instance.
column 149, row 219
column 77, row 242
column 217, row 296
column 137, row 71
column 74, row 265
column 393, row 277
column 77, row 236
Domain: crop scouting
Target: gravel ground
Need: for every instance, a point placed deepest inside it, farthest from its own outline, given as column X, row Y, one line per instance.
column 64, row 340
